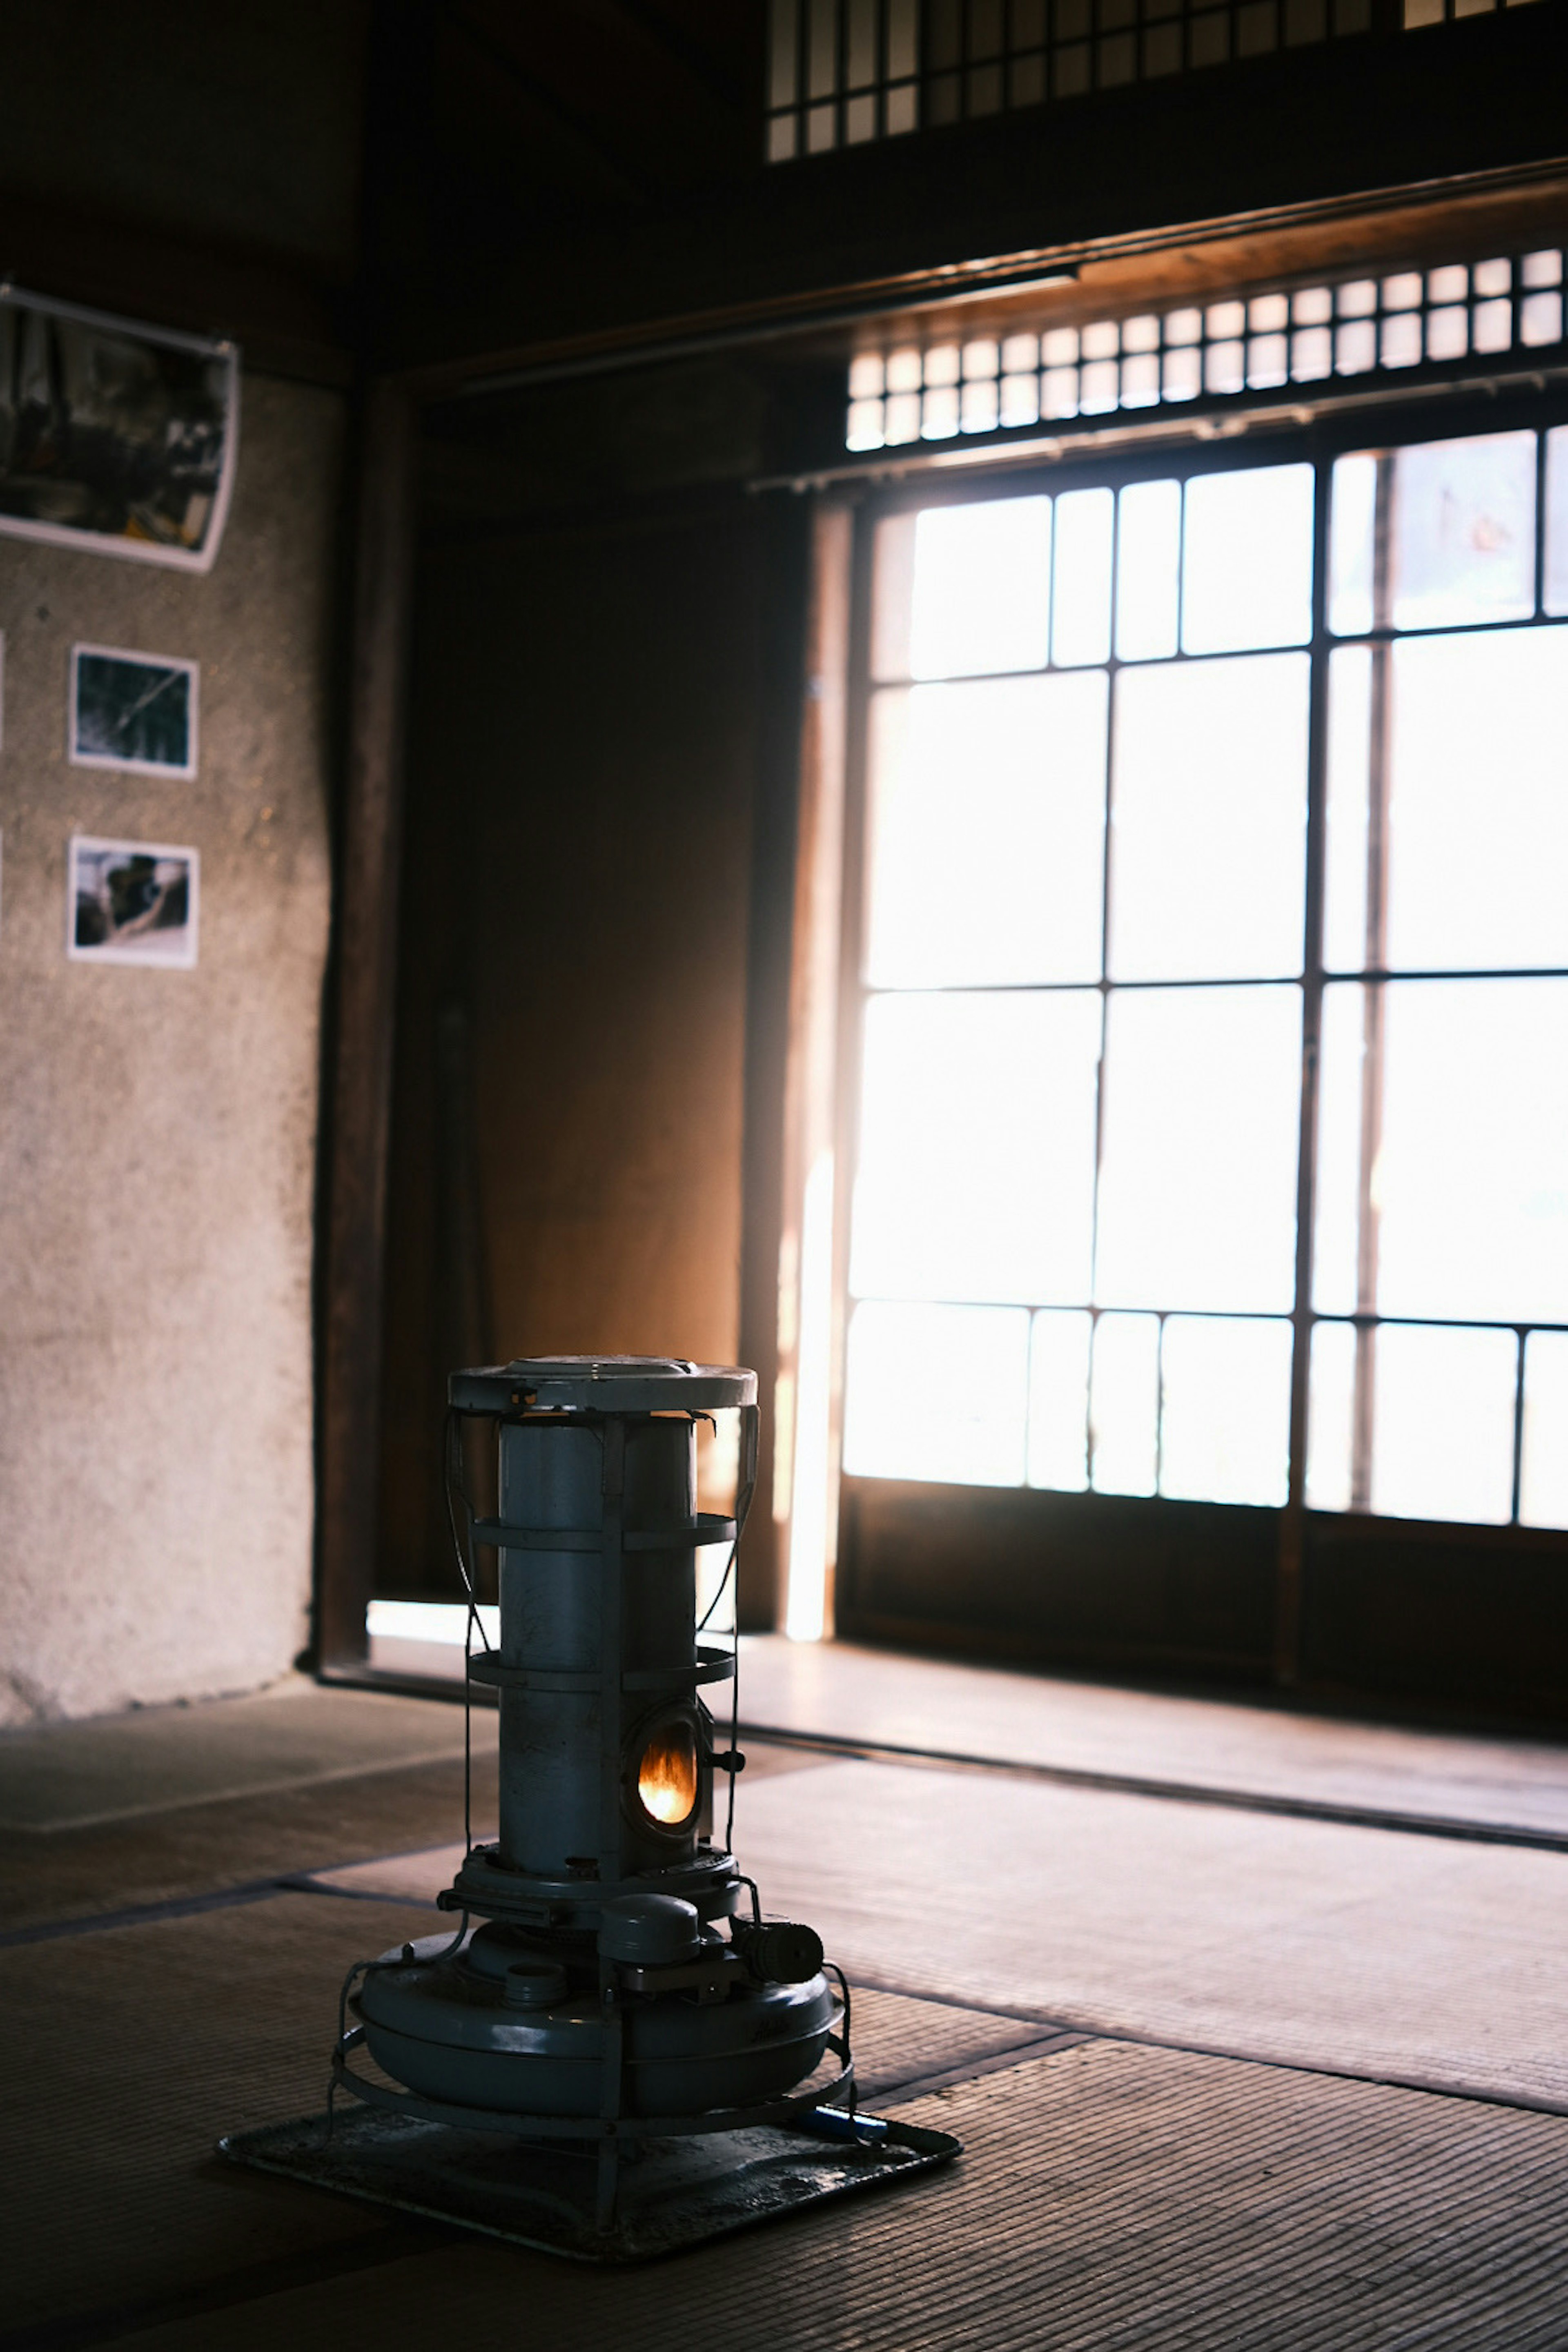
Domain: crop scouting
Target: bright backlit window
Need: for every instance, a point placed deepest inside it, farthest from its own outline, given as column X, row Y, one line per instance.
column 1091, row 987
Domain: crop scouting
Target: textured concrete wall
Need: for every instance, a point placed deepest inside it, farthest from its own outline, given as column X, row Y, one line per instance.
column 157, row 1128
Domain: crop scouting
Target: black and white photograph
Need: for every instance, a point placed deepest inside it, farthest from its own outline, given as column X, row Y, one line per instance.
column 132, row 711
column 132, row 902
column 114, row 436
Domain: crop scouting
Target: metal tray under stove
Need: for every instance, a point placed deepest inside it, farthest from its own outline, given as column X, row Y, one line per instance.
column 676, row 2194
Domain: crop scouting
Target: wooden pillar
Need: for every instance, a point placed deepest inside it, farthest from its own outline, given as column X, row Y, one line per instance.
column 775, row 815
column 357, row 1062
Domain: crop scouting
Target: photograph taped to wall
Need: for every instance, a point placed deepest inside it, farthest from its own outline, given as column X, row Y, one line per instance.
column 132, row 902
column 114, row 437
column 132, row 711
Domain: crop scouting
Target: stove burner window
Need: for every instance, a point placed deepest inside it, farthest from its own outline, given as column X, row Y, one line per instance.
column 667, row 1781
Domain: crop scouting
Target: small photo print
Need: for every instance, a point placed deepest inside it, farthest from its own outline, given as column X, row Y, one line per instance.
column 132, row 902
column 132, row 711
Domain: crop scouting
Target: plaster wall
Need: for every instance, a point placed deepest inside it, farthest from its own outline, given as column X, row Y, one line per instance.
column 157, row 1128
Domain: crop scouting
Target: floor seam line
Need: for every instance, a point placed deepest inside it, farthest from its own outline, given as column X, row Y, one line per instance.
column 1190, row 1792
column 1421, row 2085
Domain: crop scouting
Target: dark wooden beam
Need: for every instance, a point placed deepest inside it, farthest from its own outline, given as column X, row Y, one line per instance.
column 358, row 1061
column 574, row 127
column 286, row 321
column 1348, row 122
column 696, row 62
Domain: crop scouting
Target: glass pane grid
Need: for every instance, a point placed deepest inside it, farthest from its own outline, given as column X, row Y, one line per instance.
column 841, row 72
column 1505, row 310
column 1115, row 1295
column 1440, row 1274
column 1003, row 1209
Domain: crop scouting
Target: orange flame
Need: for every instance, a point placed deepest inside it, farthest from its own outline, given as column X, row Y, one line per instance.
column 667, row 1774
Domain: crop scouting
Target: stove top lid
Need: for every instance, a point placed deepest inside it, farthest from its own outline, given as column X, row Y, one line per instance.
column 602, row 1384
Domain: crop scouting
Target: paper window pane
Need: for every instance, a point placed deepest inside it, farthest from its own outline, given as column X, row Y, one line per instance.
column 1247, row 571
column 1311, row 354
column 1352, row 517
column 1224, row 1413
column 1355, row 347
column 1080, row 596
column 1479, row 801
column 1058, row 1401
column 981, row 596
column 1337, row 1225
column 1544, row 1465
column 781, row 50
column 1141, row 381
column 1471, row 1179
column 1099, row 387
column 1331, row 1414
column 1443, row 1424
column 1148, row 570
column 1183, row 375
column 902, row 416
column 1208, row 819
column 976, row 1177
column 938, row 412
column 1464, row 531
column 1447, row 334
column 1541, row 318
column 1124, row 1404
column 1492, row 326
column 1349, row 779
column 1020, row 399
column 1058, row 392
column 987, row 832
column 979, row 411
column 1399, row 344
column 936, row 1393
column 864, row 429
column 1197, row 1203
column 1268, row 361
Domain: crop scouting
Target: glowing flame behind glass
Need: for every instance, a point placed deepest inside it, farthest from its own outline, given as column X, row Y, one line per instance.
column 667, row 1774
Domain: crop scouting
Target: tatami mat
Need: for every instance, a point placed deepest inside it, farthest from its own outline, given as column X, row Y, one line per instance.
column 1399, row 1958
column 1110, row 2199
column 62, row 1875
column 1115, row 2194
column 1308, row 1943
column 833, row 1690
column 130, row 2051
column 112, row 1768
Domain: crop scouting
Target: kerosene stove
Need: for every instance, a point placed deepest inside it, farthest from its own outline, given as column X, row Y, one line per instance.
column 625, row 2053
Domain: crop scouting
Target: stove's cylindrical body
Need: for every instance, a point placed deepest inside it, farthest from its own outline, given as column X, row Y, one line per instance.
column 601, row 1984
column 562, row 1809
